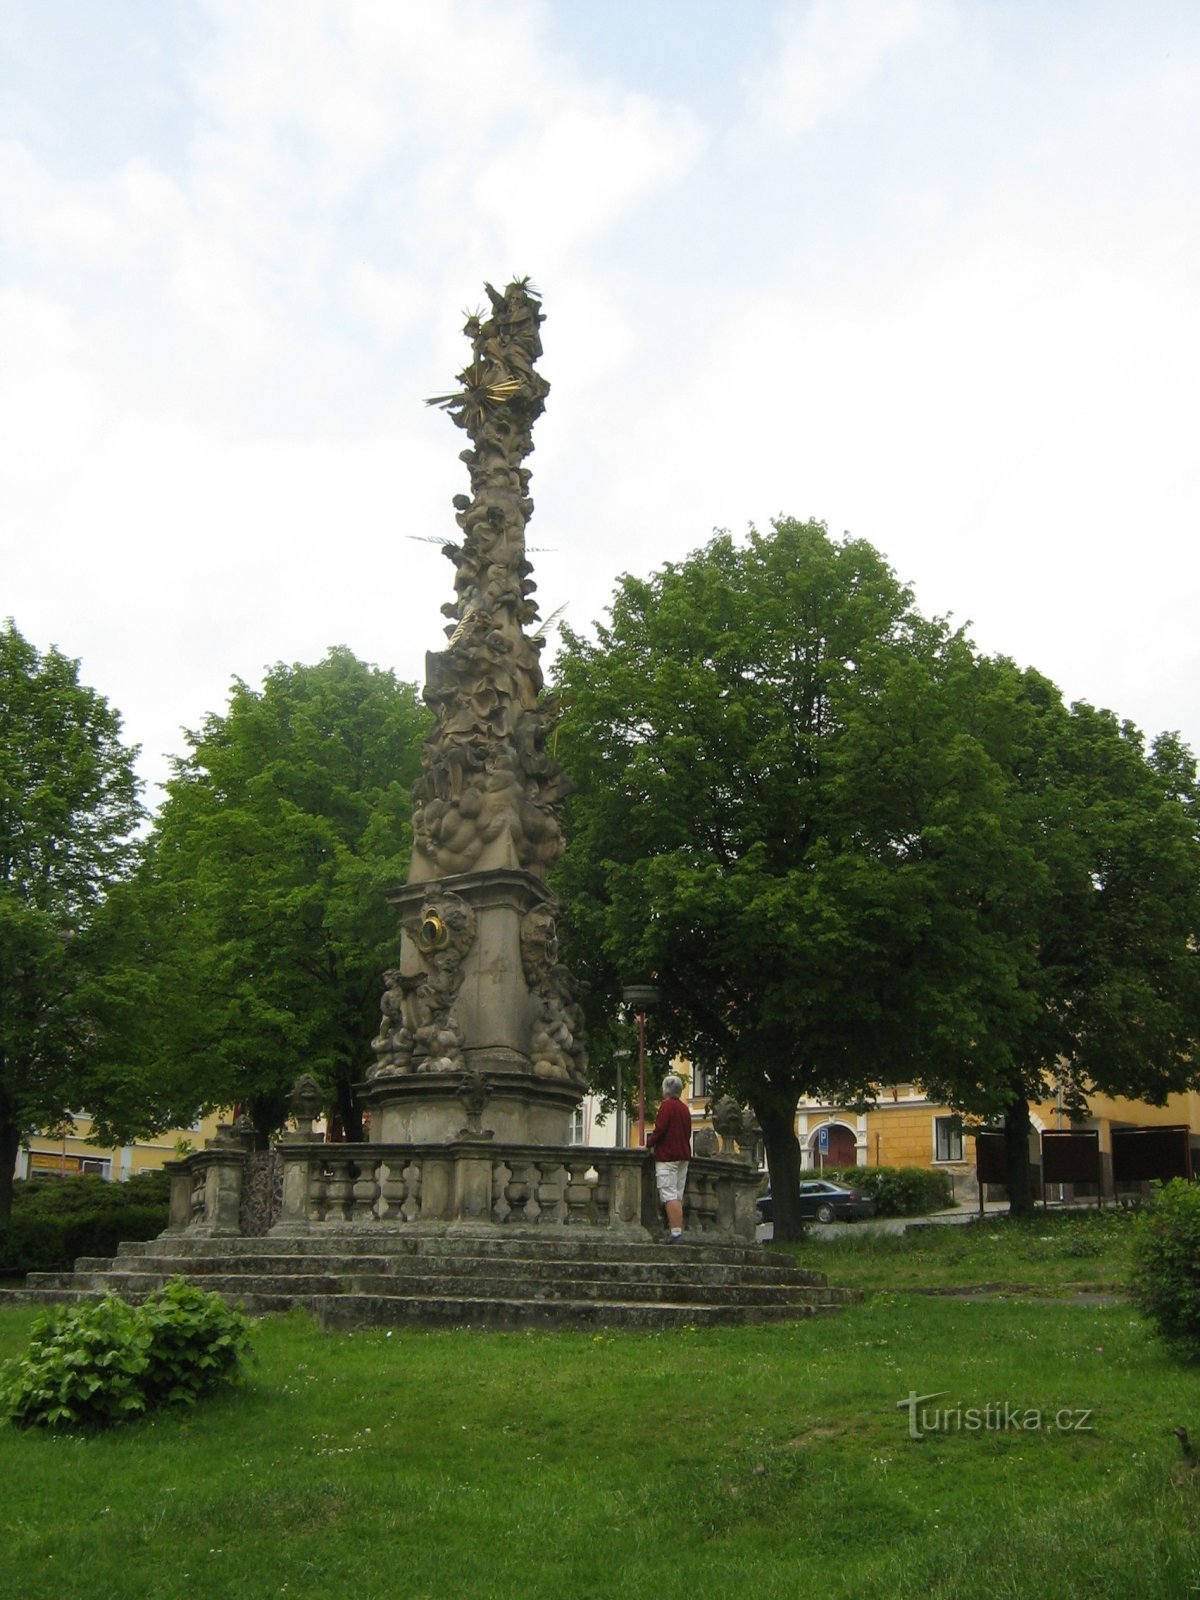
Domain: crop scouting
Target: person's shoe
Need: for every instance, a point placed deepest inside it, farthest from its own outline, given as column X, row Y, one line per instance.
column 675, row 1238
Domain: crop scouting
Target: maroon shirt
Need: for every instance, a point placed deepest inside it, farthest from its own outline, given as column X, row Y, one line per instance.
column 671, row 1139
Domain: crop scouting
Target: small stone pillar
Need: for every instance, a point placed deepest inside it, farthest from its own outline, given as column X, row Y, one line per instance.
column 223, row 1163
column 222, row 1191
column 295, row 1206
column 625, row 1205
column 180, row 1214
column 472, row 1185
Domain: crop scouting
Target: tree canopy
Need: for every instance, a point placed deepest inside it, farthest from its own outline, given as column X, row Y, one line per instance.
column 251, row 945
column 853, row 852
column 68, row 808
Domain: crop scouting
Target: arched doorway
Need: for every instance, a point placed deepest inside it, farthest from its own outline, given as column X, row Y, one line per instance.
column 843, row 1146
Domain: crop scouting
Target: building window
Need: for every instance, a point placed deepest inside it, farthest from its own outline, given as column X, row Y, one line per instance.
column 947, row 1139
column 577, row 1126
column 699, row 1083
column 52, row 1164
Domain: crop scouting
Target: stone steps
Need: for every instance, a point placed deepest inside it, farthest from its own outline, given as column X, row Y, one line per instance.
column 537, row 1269
column 456, row 1285
column 462, row 1278
column 574, row 1244
column 365, row 1311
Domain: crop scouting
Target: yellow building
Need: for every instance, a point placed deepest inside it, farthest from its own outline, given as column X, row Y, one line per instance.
column 70, row 1155
column 904, row 1128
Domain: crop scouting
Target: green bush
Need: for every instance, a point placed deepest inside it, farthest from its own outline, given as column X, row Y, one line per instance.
column 29, row 1243
column 84, row 1366
column 54, row 1222
column 1166, row 1266
column 196, row 1342
column 53, row 1197
column 94, row 1364
column 33, row 1243
column 898, row 1191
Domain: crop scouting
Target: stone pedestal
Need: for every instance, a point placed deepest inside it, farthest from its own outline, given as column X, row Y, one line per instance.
column 493, row 1006
column 206, row 1190
column 427, row 1107
column 496, row 1005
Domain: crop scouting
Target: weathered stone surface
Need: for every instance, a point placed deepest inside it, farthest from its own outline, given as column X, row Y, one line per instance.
column 478, row 988
column 490, row 792
column 470, row 1276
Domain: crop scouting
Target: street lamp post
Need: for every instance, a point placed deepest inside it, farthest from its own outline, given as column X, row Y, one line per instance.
column 640, row 997
column 620, row 1057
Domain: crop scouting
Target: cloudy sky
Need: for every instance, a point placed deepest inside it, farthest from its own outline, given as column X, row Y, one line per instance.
column 928, row 270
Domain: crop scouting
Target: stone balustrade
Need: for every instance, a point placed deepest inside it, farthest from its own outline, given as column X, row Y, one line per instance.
column 350, row 1186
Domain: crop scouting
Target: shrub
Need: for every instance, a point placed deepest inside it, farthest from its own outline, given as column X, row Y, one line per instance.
column 33, row 1243
column 29, row 1243
column 94, row 1364
column 84, row 1365
column 69, row 1196
column 1166, row 1266
column 196, row 1342
column 52, row 1223
column 899, row 1191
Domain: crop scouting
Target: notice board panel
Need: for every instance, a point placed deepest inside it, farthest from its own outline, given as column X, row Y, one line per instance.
column 1071, row 1156
column 1143, row 1154
column 991, row 1165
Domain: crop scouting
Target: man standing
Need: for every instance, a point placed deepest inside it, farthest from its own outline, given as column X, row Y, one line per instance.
column 671, row 1142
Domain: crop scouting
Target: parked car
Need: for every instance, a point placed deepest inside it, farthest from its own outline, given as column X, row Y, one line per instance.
column 824, row 1200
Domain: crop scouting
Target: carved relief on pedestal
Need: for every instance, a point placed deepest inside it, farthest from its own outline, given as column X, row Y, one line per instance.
column 419, row 1032
column 558, row 1045
column 474, row 1091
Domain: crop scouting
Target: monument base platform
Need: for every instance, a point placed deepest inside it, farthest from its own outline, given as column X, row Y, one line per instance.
column 305, row 1185
column 470, row 1233
column 465, row 1276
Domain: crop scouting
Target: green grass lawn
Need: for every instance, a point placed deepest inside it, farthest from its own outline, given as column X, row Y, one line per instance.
column 1045, row 1254
column 756, row 1461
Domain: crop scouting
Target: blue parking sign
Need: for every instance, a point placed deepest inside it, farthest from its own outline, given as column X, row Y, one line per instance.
column 823, row 1140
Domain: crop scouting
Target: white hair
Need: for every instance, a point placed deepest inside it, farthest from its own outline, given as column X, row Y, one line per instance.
column 673, row 1085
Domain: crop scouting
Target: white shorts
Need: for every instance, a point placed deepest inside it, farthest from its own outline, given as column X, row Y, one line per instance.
column 671, row 1178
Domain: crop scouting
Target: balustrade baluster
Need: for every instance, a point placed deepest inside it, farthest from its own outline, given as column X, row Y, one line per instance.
column 579, row 1191
column 365, row 1191
column 339, row 1188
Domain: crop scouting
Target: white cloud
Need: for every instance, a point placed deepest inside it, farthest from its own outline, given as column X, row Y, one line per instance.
column 589, row 160
column 50, row 403
column 390, row 303
column 100, row 224
column 828, row 52
column 215, row 351
column 512, row 142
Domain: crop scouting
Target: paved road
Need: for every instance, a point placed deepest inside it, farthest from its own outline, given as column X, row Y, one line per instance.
column 836, row 1230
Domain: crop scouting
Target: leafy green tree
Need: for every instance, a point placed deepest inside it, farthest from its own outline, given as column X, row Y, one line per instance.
column 852, row 852
column 716, row 840
column 68, row 807
column 1110, row 958
column 1085, row 893
column 252, row 945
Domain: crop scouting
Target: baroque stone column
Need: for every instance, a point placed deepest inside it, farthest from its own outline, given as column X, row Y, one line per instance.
column 479, row 1013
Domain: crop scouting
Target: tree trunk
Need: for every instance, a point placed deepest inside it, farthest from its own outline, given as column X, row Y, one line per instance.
column 1016, row 1152
column 10, row 1143
column 783, row 1162
column 268, row 1113
column 349, row 1111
